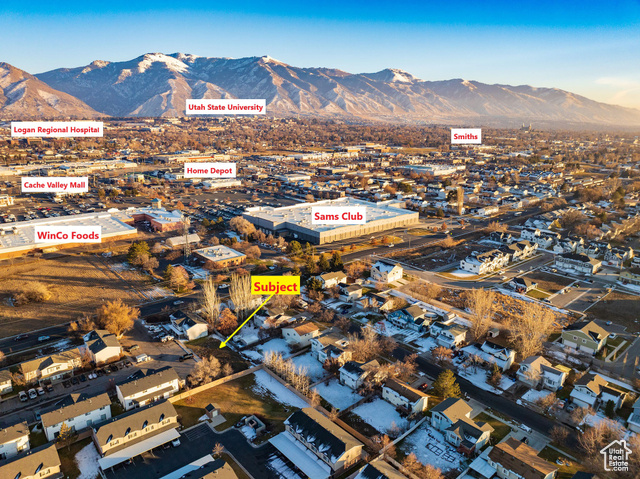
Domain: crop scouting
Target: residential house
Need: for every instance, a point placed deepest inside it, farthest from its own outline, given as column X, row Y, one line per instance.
column 386, row 272
column 633, row 423
column 501, row 237
column 593, row 391
column 78, row 412
column 537, row 371
column 376, row 301
column 102, row 346
column 316, row 445
column 402, row 395
column 51, row 367
column 14, row 439
column 147, row 386
column 586, row 336
column 135, row 432
column 331, row 344
column 329, row 280
column 513, row 459
column 453, row 418
column 577, row 263
column 190, row 325
column 522, row 285
column 520, row 250
column 6, row 386
column 617, row 256
column 412, row 317
column 628, row 276
column 483, row 263
column 451, row 336
column 300, row 334
column 545, row 240
column 567, row 245
column 493, row 353
column 529, row 234
column 40, row 463
column 353, row 373
column 379, row 469
column 350, row 293
column 273, row 317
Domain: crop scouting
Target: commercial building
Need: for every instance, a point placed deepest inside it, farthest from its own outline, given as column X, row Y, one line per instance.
column 223, row 255
column 295, row 220
column 19, row 238
column 222, row 183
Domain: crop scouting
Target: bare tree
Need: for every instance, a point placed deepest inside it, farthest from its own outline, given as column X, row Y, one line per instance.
column 205, row 371
column 210, row 302
column 441, row 355
column 314, row 398
column 559, row 434
column 388, row 449
column 480, row 303
column 116, row 317
column 227, row 370
column 217, row 450
column 240, row 293
column 2, row 357
column 529, row 330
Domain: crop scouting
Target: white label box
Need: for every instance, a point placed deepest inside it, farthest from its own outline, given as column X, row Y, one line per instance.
column 338, row 215
column 67, row 234
column 57, row 129
column 209, row 170
column 55, row 184
column 465, row 136
column 226, row 107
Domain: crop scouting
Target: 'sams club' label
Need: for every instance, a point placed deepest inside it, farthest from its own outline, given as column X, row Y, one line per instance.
column 226, row 107
column 56, row 129
column 338, row 215
column 67, row 234
column 463, row 136
column 62, row 184
column 209, row 170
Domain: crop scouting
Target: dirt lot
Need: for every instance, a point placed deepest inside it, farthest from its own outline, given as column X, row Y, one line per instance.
column 435, row 256
column 77, row 283
column 551, row 283
column 621, row 308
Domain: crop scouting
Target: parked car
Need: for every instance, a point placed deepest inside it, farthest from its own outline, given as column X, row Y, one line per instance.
column 134, row 347
column 175, row 442
column 43, row 338
column 20, row 337
column 83, row 378
column 186, row 356
column 75, row 380
column 48, row 388
column 32, row 394
column 23, row 396
column 40, row 391
column 66, row 383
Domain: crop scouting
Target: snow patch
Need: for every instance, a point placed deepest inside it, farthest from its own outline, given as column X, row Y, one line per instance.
column 381, row 415
column 87, row 461
column 339, row 396
column 266, row 384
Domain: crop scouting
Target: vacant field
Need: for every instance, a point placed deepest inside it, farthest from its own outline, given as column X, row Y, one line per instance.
column 549, row 282
column 621, row 308
column 77, row 283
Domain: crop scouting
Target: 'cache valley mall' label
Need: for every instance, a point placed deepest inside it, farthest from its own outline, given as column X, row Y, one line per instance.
column 67, row 234
column 226, row 107
column 62, row 184
column 56, row 129
column 209, row 170
column 338, row 215
column 464, row 136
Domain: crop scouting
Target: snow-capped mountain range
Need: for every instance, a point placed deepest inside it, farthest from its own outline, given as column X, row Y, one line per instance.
column 156, row 84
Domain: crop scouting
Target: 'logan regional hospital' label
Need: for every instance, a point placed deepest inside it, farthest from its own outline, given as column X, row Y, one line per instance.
column 338, row 215
column 67, row 234
column 62, row 184
column 56, row 129
column 275, row 285
column 464, row 136
column 209, row 170
column 226, row 107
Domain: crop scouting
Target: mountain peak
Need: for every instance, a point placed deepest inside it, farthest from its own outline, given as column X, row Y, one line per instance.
column 173, row 64
column 267, row 59
column 393, row 75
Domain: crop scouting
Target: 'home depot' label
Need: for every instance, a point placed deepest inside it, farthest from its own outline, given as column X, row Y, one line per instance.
column 209, row 170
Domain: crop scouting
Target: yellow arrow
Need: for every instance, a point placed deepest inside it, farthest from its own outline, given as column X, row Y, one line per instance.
column 224, row 343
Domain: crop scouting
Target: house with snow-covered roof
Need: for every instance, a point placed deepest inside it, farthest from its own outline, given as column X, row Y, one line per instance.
column 386, row 272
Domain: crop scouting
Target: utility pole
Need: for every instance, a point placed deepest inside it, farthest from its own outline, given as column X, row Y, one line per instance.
column 186, row 222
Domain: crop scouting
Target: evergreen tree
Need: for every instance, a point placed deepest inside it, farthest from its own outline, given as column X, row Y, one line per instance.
column 310, row 265
column 323, row 263
column 336, row 261
column 446, row 386
column 314, row 284
column 168, row 272
column 141, row 247
column 295, row 248
column 308, row 249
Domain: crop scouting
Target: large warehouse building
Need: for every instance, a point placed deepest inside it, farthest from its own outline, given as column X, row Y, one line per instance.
column 18, row 238
column 296, row 220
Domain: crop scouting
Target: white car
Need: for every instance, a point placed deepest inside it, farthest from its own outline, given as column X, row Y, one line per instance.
column 32, row 394
column 175, row 442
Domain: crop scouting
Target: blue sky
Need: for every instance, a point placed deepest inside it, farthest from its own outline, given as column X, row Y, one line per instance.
column 590, row 48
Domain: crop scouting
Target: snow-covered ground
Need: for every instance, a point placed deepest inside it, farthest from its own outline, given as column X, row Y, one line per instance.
column 381, row 415
column 404, row 334
column 532, row 395
column 595, row 419
column 430, row 447
column 337, row 395
column 87, row 461
column 425, row 344
column 266, row 384
column 311, row 364
column 478, row 377
column 276, row 345
column 565, row 358
column 248, row 432
column 460, row 273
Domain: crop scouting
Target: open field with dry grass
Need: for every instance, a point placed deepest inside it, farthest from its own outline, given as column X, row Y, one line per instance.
column 77, row 284
column 621, row 308
column 551, row 283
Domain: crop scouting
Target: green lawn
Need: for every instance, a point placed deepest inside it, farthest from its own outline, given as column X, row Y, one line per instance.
column 564, row 471
column 538, row 294
column 235, row 399
column 500, row 429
